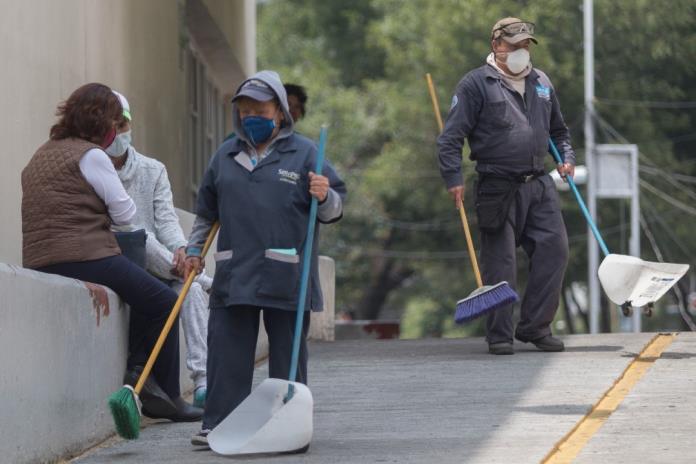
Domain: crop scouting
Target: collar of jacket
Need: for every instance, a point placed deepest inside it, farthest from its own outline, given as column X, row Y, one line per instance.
column 284, row 145
column 492, row 73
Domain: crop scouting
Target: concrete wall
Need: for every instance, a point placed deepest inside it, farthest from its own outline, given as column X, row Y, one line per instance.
column 61, row 356
column 49, row 48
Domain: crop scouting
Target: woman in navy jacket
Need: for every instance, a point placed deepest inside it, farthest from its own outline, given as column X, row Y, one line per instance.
column 259, row 186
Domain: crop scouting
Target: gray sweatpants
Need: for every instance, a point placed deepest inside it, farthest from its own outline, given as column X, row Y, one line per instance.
column 194, row 320
column 534, row 223
column 194, row 311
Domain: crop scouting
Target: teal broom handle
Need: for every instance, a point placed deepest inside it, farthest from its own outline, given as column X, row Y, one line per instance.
column 306, row 265
column 595, row 231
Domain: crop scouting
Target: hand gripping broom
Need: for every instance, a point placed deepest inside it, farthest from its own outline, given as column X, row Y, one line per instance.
column 485, row 298
column 124, row 404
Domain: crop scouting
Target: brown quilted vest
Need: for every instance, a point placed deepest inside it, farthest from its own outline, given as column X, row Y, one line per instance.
column 63, row 219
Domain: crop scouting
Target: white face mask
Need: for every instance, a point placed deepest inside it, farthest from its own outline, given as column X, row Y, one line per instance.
column 518, row 60
column 120, row 144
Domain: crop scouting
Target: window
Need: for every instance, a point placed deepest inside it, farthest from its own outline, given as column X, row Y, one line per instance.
column 206, row 121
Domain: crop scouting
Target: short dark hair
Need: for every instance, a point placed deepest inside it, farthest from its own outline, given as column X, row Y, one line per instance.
column 300, row 92
column 89, row 114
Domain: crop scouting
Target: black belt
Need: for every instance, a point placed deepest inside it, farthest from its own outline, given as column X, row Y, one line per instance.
column 518, row 178
column 526, row 178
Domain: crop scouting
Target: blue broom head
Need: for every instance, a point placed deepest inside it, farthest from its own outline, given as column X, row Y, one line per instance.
column 125, row 409
column 484, row 300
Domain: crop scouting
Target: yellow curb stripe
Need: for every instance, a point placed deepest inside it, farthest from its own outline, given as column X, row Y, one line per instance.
column 574, row 441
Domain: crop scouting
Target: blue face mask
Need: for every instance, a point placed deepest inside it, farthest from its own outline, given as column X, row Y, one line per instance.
column 258, row 129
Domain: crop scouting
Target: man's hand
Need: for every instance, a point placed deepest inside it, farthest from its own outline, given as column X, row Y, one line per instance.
column 566, row 169
column 457, row 194
column 318, row 186
column 178, row 266
column 192, row 264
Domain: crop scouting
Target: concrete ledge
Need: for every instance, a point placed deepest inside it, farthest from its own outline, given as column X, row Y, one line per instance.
column 63, row 353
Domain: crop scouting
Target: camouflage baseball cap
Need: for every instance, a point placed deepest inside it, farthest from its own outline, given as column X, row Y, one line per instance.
column 513, row 30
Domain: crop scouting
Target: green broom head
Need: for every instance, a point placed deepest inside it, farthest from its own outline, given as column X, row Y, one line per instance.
column 484, row 300
column 125, row 409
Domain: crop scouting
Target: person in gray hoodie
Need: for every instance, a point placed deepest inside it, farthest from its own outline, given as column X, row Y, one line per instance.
column 146, row 181
column 258, row 186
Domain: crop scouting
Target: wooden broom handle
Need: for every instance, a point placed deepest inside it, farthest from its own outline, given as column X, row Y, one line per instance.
column 462, row 214
column 172, row 316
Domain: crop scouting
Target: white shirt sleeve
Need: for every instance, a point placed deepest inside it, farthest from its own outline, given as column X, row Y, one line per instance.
column 101, row 175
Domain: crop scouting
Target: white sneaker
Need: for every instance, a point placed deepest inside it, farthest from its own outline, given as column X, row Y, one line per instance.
column 201, row 438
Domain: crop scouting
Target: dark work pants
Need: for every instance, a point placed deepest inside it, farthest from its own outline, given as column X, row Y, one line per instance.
column 150, row 301
column 536, row 224
column 232, row 335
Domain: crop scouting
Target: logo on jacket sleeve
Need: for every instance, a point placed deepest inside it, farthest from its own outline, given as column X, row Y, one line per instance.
column 290, row 177
column 543, row 92
column 455, row 100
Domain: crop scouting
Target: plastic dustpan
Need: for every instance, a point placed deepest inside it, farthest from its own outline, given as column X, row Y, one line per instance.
column 630, row 279
column 627, row 280
column 265, row 423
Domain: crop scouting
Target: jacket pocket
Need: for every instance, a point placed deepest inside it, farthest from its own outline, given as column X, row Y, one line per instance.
column 223, row 255
column 279, row 275
column 494, row 196
column 223, row 274
column 495, row 115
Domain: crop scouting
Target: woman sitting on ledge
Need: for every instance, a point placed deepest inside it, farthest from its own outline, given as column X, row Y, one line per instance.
column 71, row 195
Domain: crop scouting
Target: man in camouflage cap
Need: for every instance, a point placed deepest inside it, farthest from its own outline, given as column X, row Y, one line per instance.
column 508, row 109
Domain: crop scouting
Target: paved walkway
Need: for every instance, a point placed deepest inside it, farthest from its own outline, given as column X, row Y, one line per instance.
column 448, row 401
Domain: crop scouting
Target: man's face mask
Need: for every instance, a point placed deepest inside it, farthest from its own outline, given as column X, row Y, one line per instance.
column 518, row 60
column 120, row 144
column 258, row 129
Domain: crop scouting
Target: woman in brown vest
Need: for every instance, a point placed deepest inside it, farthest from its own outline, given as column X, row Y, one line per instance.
column 71, row 196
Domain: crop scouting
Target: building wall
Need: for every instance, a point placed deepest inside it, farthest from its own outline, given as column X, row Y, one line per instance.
column 49, row 48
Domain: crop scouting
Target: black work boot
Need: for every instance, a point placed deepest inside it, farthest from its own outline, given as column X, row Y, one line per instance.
column 501, row 348
column 156, row 403
column 185, row 412
column 545, row 343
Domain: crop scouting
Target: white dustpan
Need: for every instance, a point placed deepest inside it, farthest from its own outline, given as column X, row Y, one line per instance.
column 627, row 279
column 263, row 423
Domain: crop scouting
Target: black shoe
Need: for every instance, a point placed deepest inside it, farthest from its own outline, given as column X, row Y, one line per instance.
column 185, row 412
column 545, row 343
column 156, row 403
column 500, row 348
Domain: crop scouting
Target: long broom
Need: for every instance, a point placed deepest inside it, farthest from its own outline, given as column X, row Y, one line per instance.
column 485, row 298
column 125, row 404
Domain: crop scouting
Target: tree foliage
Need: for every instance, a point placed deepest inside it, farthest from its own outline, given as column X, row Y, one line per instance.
column 400, row 247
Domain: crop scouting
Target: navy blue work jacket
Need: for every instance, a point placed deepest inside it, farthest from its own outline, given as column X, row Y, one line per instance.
column 259, row 212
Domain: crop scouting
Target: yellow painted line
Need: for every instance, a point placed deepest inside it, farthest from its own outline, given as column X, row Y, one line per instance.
column 574, row 441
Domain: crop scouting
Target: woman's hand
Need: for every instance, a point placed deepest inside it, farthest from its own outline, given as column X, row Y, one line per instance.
column 318, row 186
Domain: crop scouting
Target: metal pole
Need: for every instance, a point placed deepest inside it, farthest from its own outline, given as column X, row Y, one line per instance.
column 592, row 250
column 635, row 224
